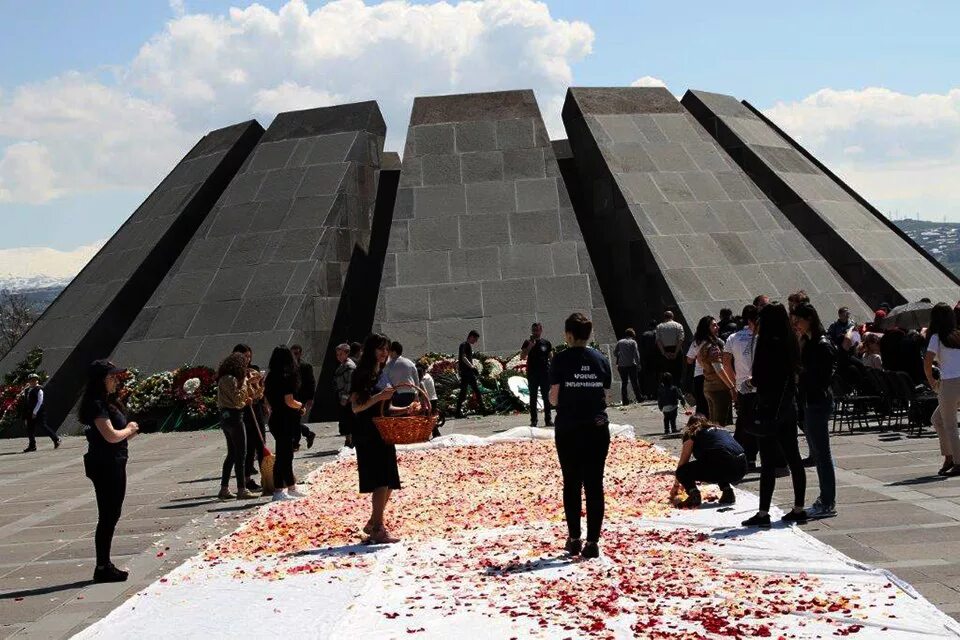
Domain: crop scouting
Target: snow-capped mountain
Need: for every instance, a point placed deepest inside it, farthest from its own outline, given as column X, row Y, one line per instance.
column 31, row 283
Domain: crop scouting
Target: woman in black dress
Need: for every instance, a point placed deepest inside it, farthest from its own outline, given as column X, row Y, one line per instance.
column 776, row 360
column 376, row 460
column 280, row 389
column 105, row 462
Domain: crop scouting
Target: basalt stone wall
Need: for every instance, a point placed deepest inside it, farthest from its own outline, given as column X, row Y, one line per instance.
column 672, row 222
column 483, row 234
column 875, row 259
column 268, row 266
column 91, row 315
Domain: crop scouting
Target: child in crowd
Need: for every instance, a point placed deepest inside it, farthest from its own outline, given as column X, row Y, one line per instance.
column 426, row 381
column 871, row 356
column 669, row 399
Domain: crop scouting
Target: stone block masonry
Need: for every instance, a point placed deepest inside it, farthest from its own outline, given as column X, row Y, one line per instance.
column 484, row 236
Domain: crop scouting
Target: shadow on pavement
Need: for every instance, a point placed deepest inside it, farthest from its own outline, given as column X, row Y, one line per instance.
column 41, row 591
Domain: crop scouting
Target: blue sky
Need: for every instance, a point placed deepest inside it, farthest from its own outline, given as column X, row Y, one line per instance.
column 75, row 71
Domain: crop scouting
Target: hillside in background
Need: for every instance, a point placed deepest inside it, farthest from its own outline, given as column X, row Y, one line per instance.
column 940, row 239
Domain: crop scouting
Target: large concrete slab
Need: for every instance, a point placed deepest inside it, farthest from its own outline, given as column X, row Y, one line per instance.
column 90, row 316
column 268, row 266
column 876, row 259
column 672, row 222
column 483, row 235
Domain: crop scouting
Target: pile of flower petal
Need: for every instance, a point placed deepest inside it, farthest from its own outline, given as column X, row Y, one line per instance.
column 450, row 490
column 482, row 530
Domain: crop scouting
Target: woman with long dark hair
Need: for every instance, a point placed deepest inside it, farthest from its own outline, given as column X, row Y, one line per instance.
column 105, row 462
column 232, row 398
column 775, row 362
column 944, row 348
column 280, row 390
column 376, row 460
column 818, row 356
column 700, row 336
column 719, row 390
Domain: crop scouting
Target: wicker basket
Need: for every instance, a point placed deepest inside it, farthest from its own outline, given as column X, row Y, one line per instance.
column 406, row 428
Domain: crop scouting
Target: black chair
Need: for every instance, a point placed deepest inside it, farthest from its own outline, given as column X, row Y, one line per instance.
column 921, row 401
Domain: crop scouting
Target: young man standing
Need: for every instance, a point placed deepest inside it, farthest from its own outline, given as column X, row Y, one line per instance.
column 738, row 361
column 308, row 389
column 401, row 372
column 468, row 372
column 35, row 414
column 627, row 354
column 538, row 351
column 579, row 378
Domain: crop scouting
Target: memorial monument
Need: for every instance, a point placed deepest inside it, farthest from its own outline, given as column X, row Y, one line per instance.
column 311, row 233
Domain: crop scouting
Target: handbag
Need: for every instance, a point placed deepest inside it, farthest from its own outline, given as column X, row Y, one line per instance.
column 766, row 418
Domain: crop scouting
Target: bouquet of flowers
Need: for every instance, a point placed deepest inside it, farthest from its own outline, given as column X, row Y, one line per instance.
column 195, row 391
column 14, row 383
column 151, row 393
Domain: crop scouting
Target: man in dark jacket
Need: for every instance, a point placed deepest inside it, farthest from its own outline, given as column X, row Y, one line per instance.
column 35, row 413
column 538, row 352
column 308, row 389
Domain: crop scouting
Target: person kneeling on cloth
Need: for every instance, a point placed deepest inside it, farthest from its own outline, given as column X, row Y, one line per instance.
column 717, row 458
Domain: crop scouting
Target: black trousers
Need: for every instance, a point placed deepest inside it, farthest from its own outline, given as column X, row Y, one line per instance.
column 253, row 425
column 702, row 407
column 670, row 421
column 109, row 477
column 629, row 375
column 345, row 425
column 539, row 383
column 718, row 468
column 283, row 458
column 231, row 423
column 582, row 451
column 40, row 422
column 746, row 411
column 648, row 377
column 469, row 381
column 781, row 445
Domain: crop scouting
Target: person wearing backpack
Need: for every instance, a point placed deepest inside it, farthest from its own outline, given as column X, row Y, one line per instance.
column 818, row 354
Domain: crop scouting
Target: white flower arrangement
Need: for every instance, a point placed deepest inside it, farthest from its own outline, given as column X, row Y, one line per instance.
column 191, row 386
column 150, row 392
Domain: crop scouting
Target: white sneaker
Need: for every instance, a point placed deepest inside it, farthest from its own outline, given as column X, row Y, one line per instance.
column 295, row 493
column 280, row 495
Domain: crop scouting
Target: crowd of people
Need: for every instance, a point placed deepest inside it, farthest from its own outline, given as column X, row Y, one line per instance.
column 768, row 371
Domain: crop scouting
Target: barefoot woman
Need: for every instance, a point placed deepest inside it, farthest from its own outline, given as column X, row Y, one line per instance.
column 376, row 460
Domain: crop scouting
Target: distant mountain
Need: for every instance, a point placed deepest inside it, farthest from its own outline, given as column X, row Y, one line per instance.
column 32, row 283
column 940, row 239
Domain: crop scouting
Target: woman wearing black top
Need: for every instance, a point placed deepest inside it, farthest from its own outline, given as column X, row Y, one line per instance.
column 709, row 454
column 105, row 462
column 817, row 358
column 280, row 387
column 376, row 460
column 775, row 362
column 579, row 378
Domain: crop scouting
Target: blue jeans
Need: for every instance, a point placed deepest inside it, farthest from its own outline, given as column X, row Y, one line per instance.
column 816, row 422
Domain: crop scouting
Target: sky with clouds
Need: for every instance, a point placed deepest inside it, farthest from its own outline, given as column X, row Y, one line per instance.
column 105, row 96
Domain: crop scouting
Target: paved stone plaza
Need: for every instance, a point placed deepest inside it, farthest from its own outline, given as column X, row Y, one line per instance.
column 894, row 513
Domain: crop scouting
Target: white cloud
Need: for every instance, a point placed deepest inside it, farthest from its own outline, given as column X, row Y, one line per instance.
column 648, row 81
column 31, row 262
column 900, row 151
column 206, row 70
column 72, row 133
column 26, row 174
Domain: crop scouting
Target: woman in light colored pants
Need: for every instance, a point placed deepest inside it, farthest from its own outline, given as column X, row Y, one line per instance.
column 944, row 348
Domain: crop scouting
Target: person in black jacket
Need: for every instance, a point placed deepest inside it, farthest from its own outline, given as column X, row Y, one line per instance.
column 105, row 463
column 709, row 454
column 35, row 414
column 817, row 357
column 308, row 389
column 579, row 379
column 776, row 359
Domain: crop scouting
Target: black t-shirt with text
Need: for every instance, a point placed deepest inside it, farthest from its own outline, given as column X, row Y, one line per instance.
column 538, row 356
column 583, row 375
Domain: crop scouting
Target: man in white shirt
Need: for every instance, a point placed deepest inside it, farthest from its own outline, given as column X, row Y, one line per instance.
column 670, row 345
column 401, row 371
column 738, row 361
